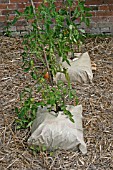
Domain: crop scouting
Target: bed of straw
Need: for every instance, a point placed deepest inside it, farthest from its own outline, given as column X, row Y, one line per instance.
column 97, row 101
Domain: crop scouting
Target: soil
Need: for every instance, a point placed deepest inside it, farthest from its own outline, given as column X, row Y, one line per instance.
column 97, row 101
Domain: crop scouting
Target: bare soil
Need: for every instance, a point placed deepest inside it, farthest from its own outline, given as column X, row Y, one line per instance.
column 97, row 101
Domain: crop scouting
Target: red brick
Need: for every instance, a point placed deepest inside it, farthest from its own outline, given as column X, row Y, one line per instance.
column 21, row 10
column 104, row 7
column 95, row 19
column 111, row 7
column 94, row 2
column 104, row 13
column 37, row 5
column 2, row 18
column 27, row 4
column 107, row 1
column 93, row 13
column 38, row 1
column 58, row 4
column 57, row 9
column 5, row 12
column 18, row 1
column 11, row 17
column 3, row 6
column 21, row 5
column 31, row 21
column 11, row 6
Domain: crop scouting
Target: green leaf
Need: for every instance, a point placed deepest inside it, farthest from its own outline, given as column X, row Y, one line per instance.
column 16, row 110
column 88, row 15
column 17, row 12
column 67, row 77
column 87, row 9
column 27, row 89
column 26, row 69
column 70, row 95
column 44, row 148
column 22, row 113
column 72, row 120
column 29, row 124
column 14, row 20
column 21, row 95
column 28, row 10
column 81, row 30
column 34, row 76
column 31, row 63
column 62, row 12
column 87, row 21
column 34, row 25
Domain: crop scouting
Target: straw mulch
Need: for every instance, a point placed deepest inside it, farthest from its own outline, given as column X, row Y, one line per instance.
column 97, row 101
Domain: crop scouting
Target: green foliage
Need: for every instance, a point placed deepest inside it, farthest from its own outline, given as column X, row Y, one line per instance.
column 8, row 26
column 53, row 35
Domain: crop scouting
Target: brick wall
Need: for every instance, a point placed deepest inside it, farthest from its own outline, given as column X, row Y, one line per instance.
column 102, row 16
column 101, row 22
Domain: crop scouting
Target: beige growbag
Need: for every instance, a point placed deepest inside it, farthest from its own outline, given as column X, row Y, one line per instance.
column 58, row 132
column 79, row 71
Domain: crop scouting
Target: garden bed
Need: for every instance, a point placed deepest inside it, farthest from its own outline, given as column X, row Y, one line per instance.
column 97, row 101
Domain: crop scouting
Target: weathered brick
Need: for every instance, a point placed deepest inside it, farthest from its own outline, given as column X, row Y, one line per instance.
column 58, row 4
column 3, row 6
column 104, row 13
column 93, row 13
column 5, row 12
column 105, row 30
column 27, row 4
column 11, row 17
column 111, row 29
column 104, row 7
column 21, row 10
column 107, row 1
column 31, row 21
column 95, row 30
column 15, row 34
column 100, row 19
column 2, row 18
column 110, row 19
column 2, row 25
column 93, row 24
column 94, row 8
column 111, row 7
column 104, row 25
column 12, row 28
column 20, row 28
column 38, row 1
column 37, row 4
column 94, row 2
column 87, row 30
column 21, row 23
column 20, row 5
column 11, row 6
column 28, row 27
column 23, row 33
column 19, row 1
